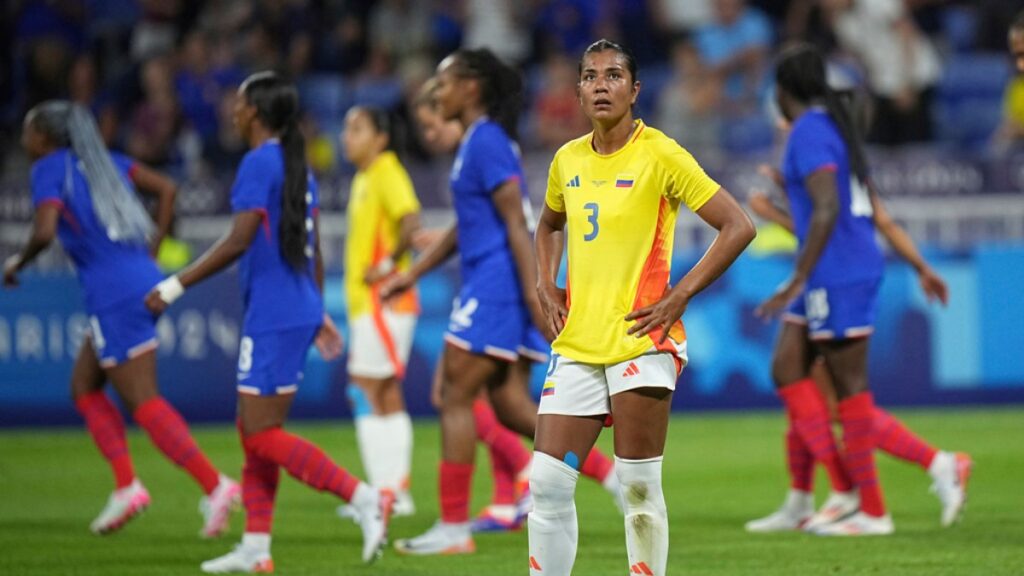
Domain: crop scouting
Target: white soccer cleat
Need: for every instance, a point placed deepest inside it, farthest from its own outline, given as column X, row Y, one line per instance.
column 792, row 515
column 373, row 519
column 860, row 524
column 241, row 559
column 442, row 538
column 123, row 505
column 838, row 506
column 950, row 473
column 216, row 508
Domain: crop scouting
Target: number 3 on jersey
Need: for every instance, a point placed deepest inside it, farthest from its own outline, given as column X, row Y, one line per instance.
column 595, row 227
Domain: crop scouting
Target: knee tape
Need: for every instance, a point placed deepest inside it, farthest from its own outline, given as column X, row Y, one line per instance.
column 552, row 484
column 641, row 485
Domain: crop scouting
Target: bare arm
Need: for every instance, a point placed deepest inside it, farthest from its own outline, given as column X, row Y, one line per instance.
column 932, row 284
column 44, row 230
column 549, row 243
column 153, row 183
column 508, row 199
column 735, row 232
column 408, row 227
column 432, row 257
column 821, row 185
column 763, row 206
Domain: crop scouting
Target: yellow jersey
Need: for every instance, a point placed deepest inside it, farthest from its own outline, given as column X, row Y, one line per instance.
column 621, row 212
column 382, row 195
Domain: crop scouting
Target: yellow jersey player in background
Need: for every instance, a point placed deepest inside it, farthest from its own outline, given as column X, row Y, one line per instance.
column 383, row 214
column 619, row 342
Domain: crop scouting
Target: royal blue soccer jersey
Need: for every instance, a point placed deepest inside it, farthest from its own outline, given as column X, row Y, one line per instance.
column 109, row 272
column 852, row 254
column 276, row 295
column 486, row 159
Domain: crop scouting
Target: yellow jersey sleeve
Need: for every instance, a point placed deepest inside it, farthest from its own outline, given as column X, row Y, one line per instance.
column 397, row 194
column 555, row 196
column 684, row 179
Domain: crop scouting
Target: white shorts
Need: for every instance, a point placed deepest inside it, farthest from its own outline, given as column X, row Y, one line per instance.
column 378, row 347
column 574, row 388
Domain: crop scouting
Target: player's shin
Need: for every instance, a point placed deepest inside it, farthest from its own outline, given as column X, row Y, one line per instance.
column 552, row 524
column 646, row 516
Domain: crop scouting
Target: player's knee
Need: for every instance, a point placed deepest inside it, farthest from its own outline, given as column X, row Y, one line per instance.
column 640, row 482
column 552, row 484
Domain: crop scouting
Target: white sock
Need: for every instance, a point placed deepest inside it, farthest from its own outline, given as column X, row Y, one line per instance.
column 385, row 444
column 799, row 503
column 365, row 496
column 258, row 542
column 941, row 464
column 554, row 532
column 646, row 516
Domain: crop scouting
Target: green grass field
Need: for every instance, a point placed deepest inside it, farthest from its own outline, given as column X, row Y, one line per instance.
column 720, row 471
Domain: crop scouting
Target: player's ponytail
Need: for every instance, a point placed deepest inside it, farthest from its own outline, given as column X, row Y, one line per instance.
column 501, row 86
column 801, row 72
column 116, row 205
column 277, row 106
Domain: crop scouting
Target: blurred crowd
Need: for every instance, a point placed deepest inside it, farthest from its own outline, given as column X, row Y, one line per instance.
column 161, row 75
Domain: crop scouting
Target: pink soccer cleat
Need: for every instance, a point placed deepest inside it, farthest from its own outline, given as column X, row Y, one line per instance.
column 123, row 505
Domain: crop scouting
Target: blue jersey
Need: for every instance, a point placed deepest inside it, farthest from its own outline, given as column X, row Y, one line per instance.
column 851, row 254
column 110, row 272
column 276, row 296
column 486, row 159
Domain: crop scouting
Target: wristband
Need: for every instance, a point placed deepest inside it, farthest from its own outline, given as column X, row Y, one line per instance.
column 170, row 289
column 385, row 266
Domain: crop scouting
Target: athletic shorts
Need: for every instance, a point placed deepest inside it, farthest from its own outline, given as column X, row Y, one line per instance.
column 379, row 346
column 123, row 332
column 271, row 363
column 836, row 312
column 502, row 330
column 574, row 388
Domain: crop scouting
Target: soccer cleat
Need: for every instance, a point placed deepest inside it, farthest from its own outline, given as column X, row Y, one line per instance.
column 838, row 506
column 792, row 515
column 859, row 524
column 123, row 505
column 950, row 473
column 442, row 538
column 373, row 520
column 241, row 559
column 216, row 508
column 498, row 518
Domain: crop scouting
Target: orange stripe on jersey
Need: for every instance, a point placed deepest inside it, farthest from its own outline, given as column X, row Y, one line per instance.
column 655, row 276
column 407, row 303
column 638, row 132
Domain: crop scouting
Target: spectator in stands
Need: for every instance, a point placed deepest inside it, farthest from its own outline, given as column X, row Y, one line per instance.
column 736, row 45
column 84, row 89
column 687, row 108
column 47, row 35
column 502, row 26
column 201, row 84
column 564, row 26
column 1011, row 130
column 1016, row 41
column 400, row 31
column 556, row 115
column 154, row 123
column 902, row 65
column 682, row 17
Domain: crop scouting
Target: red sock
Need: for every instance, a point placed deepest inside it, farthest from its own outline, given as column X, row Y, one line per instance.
column 107, row 430
column 455, row 480
column 168, row 431
column 597, row 466
column 259, row 489
column 896, row 439
column 305, row 461
column 508, row 455
column 808, row 417
column 857, row 415
column 800, row 462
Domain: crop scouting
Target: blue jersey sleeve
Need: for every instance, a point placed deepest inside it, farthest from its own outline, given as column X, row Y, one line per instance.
column 313, row 200
column 252, row 187
column 48, row 180
column 814, row 148
column 495, row 158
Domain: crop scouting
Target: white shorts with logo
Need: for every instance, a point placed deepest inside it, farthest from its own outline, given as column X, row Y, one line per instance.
column 379, row 346
column 574, row 388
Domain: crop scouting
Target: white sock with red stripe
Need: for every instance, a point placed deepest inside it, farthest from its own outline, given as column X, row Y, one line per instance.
column 646, row 516
column 554, row 532
column 385, row 444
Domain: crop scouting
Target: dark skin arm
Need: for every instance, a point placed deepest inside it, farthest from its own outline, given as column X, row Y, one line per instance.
column 735, row 232
column 549, row 243
column 153, row 183
column 229, row 248
column 328, row 339
column 932, row 284
column 821, row 185
column 408, row 226
column 508, row 199
column 44, row 230
column 438, row 252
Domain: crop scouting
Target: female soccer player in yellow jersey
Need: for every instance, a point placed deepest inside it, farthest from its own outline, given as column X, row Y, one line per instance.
column 383, row 215
column 619, row 342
